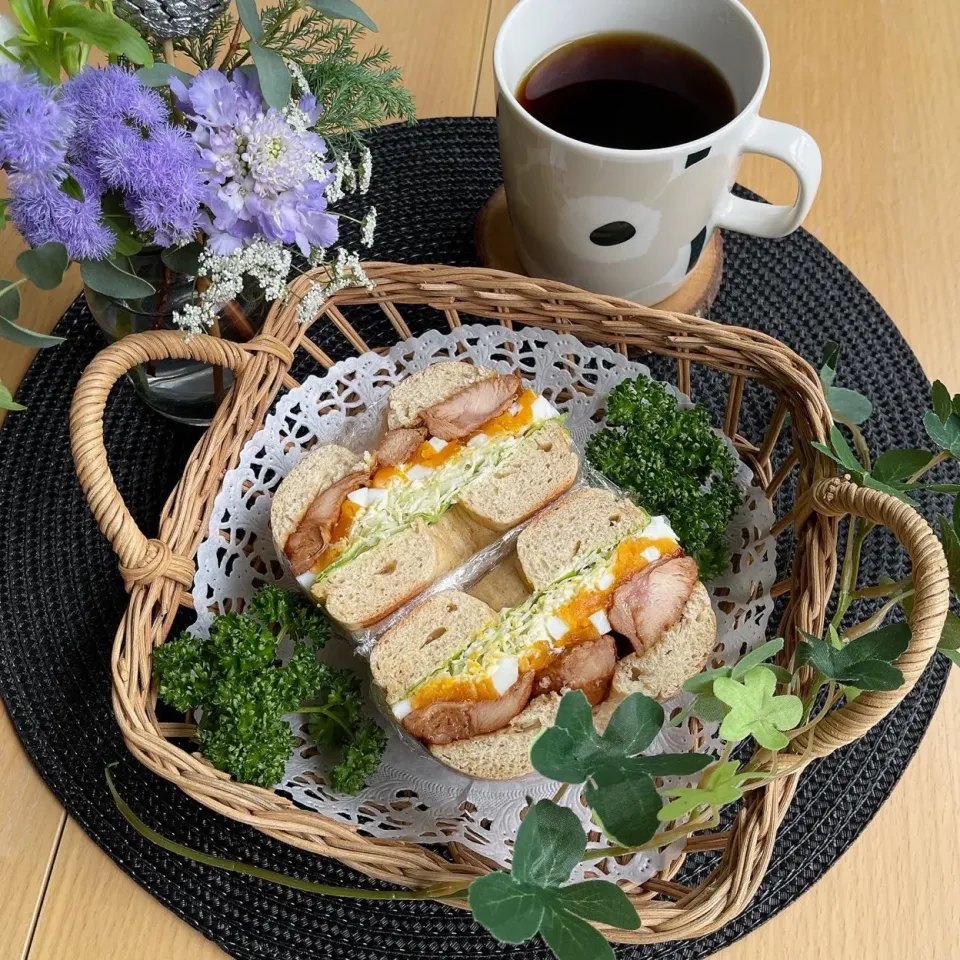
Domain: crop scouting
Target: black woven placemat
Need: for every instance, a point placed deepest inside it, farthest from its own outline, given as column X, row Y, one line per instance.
column 61, row 597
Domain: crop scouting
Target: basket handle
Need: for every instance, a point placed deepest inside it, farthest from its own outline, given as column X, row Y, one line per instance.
column 836, row 498
column 142, row 560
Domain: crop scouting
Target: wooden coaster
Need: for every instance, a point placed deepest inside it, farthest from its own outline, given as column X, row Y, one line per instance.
column 493, row 235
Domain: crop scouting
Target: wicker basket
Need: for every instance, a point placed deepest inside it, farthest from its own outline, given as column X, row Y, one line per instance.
column 159, row 572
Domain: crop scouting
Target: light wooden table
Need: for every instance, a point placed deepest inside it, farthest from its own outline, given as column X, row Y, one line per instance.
column 875, row 82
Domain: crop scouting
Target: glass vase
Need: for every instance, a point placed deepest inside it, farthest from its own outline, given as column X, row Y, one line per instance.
column 183, row 390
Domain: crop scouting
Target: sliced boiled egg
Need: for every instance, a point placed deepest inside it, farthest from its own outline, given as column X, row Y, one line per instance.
column 556, row 627
column 437, row 443
column 650, row 554
column 418, row 472
column 658, row 529
column 401, row 709
column 543, row 409
column 307, row 580
column 600, row 621
column 515, row 409
column 479, row 440
column 505, row 674
column 606, row 581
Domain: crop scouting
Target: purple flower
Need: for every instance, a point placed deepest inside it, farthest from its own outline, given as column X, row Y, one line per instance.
column 42, row 212
column 112, row 93
column 34, row 128
column 263, row 169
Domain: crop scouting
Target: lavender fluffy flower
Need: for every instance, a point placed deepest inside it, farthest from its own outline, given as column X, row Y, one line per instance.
column 112, row 93
column 263, row 170
column 42, row 212
column 34, row 127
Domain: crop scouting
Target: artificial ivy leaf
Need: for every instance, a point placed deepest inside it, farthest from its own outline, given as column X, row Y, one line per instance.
column 185, row 259
column 756, row 711
column 864, row 662
column 549, row 844
column 634, row 725
column 115, row 278
column 562, row 752
column 718, row 787
column 625, row 803
column 782, row 674
column 848, row 404
column 886, row 643
column 953, row 655
column 956, row 403
column 343, row 10
column 842, row 448
column 942, row 404
column 945, row 435
column 764, row 652
column 599, row 900
column 956, row 515
column 160, row 74
column 44, row 265
column 899, row 464
column 274, row 74
column 831, row 357
column 951, row 550
column 571, row 938
column 709, row 709
column 508, row 909
column 869, row 481
column 950, row 635
column 7, row 402
column 674, row 764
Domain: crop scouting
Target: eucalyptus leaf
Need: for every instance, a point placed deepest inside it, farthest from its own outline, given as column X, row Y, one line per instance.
column 44, row 266
column 185, row 259
column 274, row 74
column 3, row 212
column 7, row 402
column 26, row 338
column 115, row 278
column 9, row 301
column 343, row 10
column 942, row 404
column 848, row 404
column 250, row 18
column 899, row 464
column 160, row 74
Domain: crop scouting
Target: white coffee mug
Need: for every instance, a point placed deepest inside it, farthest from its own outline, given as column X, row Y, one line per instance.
column 633, row 223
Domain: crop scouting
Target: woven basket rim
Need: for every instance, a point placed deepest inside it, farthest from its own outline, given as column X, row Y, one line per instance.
column 159, row 571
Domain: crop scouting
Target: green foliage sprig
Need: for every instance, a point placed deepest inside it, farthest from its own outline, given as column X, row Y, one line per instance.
column 675, row 463
column 233, row 675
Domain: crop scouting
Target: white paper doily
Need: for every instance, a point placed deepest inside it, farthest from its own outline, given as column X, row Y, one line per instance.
column 412, row 796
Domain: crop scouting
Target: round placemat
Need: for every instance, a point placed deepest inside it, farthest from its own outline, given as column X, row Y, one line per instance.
column 61, row 596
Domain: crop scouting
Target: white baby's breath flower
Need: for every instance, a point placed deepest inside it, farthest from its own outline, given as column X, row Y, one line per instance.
column 349, row 174
column 365, row 169
column 317, row 256
column 312, row 301
column 368, row 226
column 298, row 78
column 335, row 189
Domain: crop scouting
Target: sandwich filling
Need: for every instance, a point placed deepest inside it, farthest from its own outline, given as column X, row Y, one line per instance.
column 532, row 639
column 426, row 485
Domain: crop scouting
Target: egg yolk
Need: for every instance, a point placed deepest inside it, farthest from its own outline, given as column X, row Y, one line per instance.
column 447, row 689
column 509, row 422
column 341, row 530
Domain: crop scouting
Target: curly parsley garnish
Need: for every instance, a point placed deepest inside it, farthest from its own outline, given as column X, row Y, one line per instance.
column 674, row 463
column 244, row 692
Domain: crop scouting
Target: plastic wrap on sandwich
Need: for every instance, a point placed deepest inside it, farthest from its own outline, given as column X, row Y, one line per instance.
column 461, row 460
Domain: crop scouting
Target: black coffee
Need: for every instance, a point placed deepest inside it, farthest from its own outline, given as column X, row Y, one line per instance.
column 635, row 91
